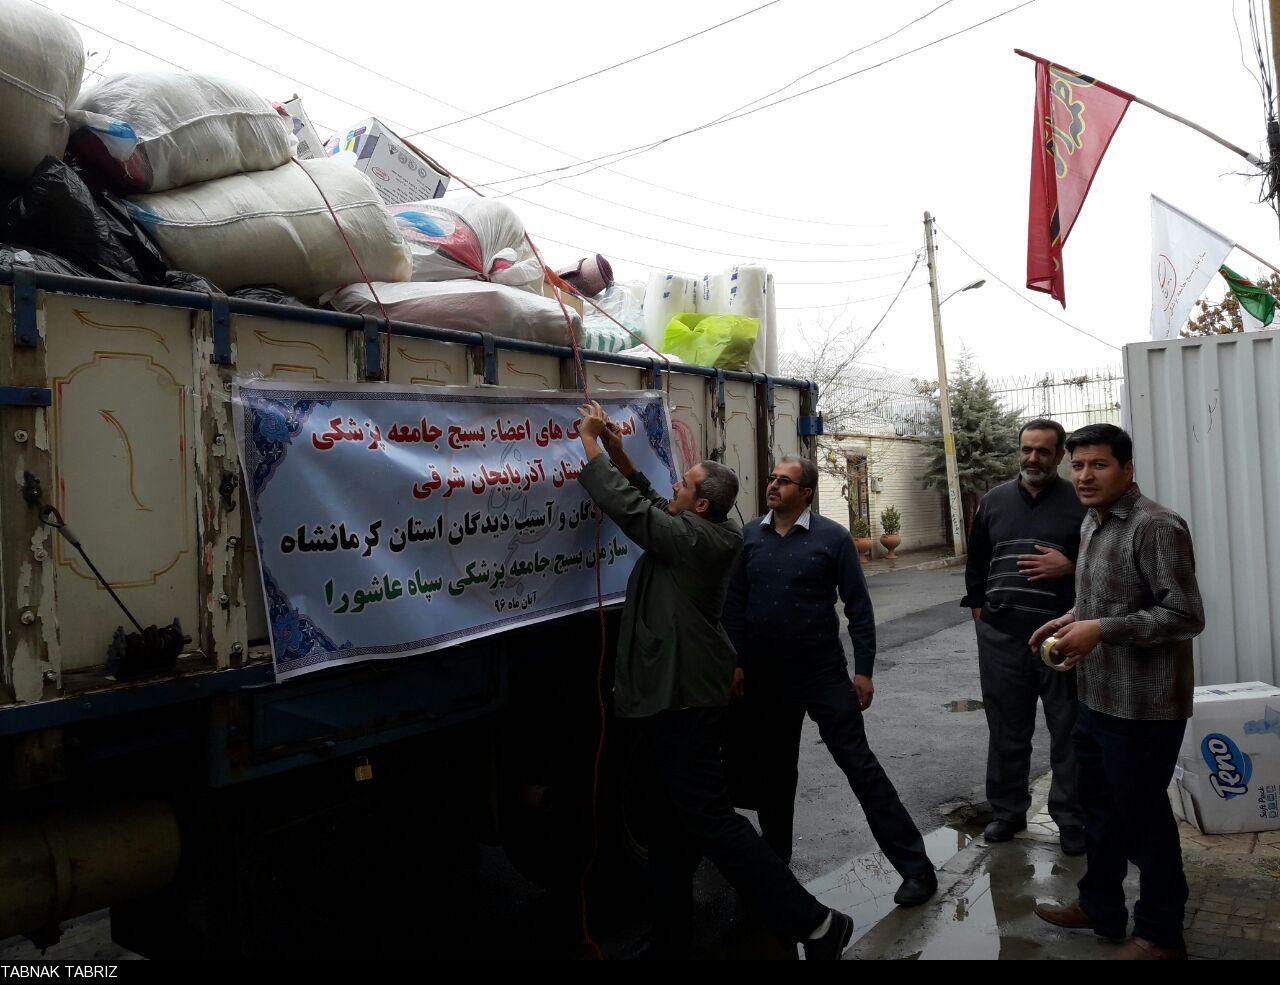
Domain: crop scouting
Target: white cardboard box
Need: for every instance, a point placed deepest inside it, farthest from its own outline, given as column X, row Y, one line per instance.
column 310, row 146
column 398, row 173
column 1228, row 775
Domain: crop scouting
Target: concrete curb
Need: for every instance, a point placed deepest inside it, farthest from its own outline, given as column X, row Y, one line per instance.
column 938, row 564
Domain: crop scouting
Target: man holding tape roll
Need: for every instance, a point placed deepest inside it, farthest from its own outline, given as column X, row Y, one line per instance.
column 1137, row 609
column 1022, row 552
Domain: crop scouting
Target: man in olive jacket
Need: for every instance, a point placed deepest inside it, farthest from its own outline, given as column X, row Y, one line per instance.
column 673, row 672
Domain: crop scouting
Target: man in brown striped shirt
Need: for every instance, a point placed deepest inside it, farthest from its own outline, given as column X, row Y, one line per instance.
column 1137, row 609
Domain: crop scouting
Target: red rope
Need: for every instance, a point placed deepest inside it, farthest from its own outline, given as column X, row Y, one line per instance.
column 386, row 372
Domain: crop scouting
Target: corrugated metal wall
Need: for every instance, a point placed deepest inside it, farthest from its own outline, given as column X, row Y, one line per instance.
column 1206, row 428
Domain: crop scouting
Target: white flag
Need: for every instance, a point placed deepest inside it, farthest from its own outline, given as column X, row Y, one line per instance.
column 1185, row 254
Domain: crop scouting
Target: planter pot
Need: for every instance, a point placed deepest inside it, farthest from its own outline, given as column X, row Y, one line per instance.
column 863, row 544
column 890, row 543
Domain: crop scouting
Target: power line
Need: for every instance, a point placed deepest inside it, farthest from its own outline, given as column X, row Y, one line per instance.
column 1014, row 290
column 615, row 156
column 841, row 304
column 602, row 71
column 835, row 61
column 346, row 59
column 397, row 123
column 699, row 249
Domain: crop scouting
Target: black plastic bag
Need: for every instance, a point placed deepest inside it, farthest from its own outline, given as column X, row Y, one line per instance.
column 180, row 280
column 27, row 256
column 56, row 212
column 269, row 293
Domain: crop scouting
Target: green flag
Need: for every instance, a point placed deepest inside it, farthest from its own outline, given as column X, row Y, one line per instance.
column 1253, row 299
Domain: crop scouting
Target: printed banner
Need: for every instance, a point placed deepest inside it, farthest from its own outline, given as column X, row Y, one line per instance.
column 393, row 521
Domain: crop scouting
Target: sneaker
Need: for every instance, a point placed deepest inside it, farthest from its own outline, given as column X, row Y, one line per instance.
column 1073, row 917
column 830, row 945
column 917, row 889
column 1002, row 830
column 1071, row 838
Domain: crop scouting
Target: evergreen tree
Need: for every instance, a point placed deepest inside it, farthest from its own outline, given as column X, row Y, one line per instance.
column 986, row 437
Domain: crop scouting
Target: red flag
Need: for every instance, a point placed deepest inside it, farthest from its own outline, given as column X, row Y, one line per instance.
column 1075, row 119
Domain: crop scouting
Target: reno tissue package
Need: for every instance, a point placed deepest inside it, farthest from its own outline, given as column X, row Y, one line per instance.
column 1228, row 775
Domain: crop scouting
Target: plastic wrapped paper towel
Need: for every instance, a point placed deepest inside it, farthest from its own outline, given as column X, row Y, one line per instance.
column 666, row 296
column 742, row 290
column 771, row 332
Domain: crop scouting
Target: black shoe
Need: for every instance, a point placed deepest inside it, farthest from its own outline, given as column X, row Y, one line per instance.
column 1002, row 830
column 917, row 889
column 1071, row 838
column 831, row 945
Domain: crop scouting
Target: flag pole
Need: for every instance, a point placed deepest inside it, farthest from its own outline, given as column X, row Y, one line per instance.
column 1257, row 162
column 1265, row 263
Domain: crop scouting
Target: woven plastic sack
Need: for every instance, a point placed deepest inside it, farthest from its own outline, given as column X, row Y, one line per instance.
column 464, row 305
column 41, row 66
column 462, row 240
column 274, row 227
column 153, row 131
column 722, row 341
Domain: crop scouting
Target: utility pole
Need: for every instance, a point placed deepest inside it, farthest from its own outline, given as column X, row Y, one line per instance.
column 944, row 397
column 1273, row 124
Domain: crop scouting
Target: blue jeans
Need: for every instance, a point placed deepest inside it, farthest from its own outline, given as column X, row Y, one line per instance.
column 1124, row 768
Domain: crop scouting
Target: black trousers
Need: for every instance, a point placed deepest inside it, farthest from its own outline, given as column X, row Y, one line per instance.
column 694, row 818
column 1013, row 678
column 1124, row 768
column 777, row 698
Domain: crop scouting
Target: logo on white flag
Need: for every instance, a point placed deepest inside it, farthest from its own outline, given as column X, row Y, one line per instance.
column 1185, row 253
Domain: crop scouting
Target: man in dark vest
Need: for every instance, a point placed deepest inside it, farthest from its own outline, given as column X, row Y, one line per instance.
column 673, row 672
column 1020, row 574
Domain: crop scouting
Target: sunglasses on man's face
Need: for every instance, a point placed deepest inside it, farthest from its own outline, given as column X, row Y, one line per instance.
column 782, row 481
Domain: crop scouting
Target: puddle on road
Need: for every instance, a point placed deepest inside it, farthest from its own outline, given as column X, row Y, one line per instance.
column 864, row 886
column 963, row 704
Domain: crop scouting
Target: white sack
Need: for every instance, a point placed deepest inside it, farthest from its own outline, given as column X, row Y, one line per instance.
column 457, row 240
column 713, row 294
column 465, row 305
column 273, row 227
column 187, row 128
column 41, row 66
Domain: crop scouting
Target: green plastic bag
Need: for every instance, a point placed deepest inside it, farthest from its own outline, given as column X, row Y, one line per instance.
column 722, row 341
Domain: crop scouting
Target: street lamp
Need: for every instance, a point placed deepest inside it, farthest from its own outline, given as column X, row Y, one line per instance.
column 967, row 287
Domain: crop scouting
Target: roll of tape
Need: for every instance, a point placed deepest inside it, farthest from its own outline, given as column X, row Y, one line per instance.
column 1047, row 654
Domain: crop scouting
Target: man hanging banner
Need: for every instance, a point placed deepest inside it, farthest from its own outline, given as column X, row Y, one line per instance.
column 1075, row 119
column 1185, row 254
column 393, row 521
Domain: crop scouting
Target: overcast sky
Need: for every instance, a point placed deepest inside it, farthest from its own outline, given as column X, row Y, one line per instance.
column 853, row 166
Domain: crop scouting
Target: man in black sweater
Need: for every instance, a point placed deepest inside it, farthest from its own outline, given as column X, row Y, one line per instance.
column 780, row 615
column 1021, row 570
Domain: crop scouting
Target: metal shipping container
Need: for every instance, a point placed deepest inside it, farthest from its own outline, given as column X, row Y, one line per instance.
column 1205, row 416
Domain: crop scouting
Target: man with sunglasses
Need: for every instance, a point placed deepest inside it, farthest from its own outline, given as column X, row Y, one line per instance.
column 780, row 614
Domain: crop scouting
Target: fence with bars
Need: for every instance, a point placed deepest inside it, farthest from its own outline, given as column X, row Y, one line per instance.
column 883, row 402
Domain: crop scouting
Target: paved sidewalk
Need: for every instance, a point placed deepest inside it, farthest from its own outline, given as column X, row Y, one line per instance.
column 929, row 559
column 986, row 895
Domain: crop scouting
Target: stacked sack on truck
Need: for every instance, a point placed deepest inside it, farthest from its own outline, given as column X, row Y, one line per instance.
column 471, row 270
column 41, row 67
column 211, row 173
